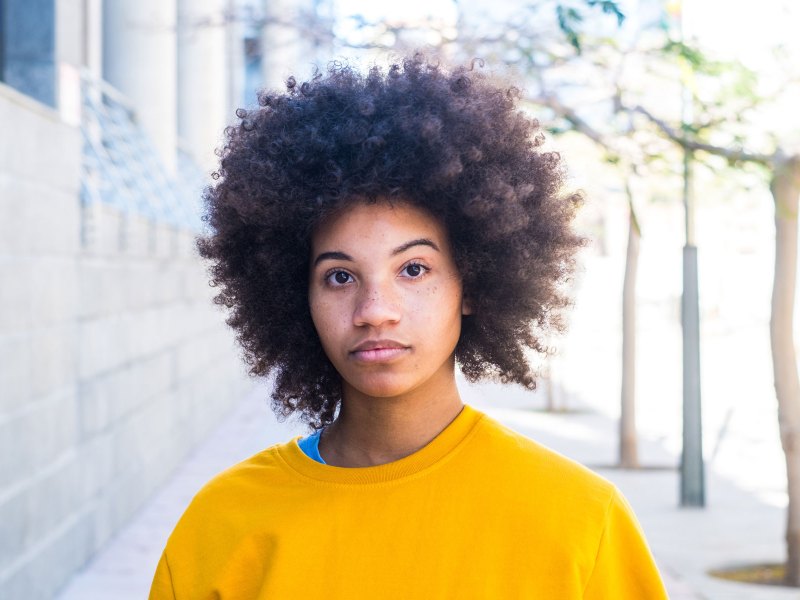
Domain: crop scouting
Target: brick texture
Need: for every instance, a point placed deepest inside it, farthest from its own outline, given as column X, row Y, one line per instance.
column 114, row 363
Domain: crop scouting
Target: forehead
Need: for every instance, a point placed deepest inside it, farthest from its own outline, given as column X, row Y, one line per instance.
column 372, row 225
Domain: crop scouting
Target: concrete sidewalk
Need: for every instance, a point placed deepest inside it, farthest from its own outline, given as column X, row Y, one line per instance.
column 735, row 528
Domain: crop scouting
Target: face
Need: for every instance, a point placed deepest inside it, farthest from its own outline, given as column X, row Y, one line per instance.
column 386, row 299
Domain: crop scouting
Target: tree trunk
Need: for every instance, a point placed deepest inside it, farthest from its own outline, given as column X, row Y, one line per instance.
column 628, row 451
column 785, row 187
column 549, row 387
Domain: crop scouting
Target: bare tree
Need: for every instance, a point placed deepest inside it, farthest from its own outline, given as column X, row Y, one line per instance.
column 783, row 179
column 724, row 117
column 628, row 446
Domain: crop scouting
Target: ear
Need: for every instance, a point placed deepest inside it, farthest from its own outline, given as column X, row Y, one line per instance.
column 466, row 307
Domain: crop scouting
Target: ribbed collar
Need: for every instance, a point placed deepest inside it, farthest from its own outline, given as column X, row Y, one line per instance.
column 438, row 448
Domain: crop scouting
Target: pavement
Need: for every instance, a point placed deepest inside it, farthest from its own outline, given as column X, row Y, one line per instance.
column 736, row 527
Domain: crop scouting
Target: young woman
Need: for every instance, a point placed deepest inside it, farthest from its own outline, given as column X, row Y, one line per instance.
column 367, row 234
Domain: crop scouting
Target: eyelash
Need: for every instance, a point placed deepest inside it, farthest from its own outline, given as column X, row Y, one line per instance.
column 424, row 268
column 332, row 272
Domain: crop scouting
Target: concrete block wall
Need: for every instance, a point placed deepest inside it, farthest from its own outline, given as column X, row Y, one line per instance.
column 113, row 360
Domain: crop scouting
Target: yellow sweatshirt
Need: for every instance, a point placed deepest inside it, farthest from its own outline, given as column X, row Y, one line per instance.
column 480, row 512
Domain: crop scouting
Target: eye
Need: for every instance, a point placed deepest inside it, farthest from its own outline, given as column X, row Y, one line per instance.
column 338, row 278
column 415, row 270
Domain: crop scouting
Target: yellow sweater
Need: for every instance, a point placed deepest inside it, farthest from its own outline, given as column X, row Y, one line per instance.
column 480, row 512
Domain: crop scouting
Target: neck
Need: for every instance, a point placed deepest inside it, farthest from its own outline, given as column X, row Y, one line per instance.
column 372, row 431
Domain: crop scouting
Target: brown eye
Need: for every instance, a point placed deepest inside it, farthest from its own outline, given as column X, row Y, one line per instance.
column 338, row 278
column 414, row 270
column 341, row 277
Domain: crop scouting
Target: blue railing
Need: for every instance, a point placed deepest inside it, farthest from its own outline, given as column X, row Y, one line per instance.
column 121, row 166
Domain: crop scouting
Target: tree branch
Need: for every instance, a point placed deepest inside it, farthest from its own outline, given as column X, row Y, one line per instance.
column 568, row 113
column 732, row 154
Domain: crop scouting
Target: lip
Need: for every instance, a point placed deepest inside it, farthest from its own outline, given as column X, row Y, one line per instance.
column 378, row 350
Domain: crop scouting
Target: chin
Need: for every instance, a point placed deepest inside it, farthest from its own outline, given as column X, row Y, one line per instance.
column 382, row 389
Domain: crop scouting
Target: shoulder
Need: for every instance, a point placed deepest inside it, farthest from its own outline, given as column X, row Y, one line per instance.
column 522, row 463
column 232, row 521
column 252, row 483
column 542, row 485
column 554, row 502
column 263, row 464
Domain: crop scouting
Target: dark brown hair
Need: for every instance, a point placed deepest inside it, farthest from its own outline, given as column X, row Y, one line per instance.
column 448, row 140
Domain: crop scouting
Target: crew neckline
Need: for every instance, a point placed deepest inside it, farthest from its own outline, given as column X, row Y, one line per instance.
column 439, row 447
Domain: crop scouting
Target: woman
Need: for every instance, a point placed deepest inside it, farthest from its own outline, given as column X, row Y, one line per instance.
column 367, row 235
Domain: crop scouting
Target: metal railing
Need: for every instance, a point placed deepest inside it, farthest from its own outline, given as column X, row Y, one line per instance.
column 121, row 166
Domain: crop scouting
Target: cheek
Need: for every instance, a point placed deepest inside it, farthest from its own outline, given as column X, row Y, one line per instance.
column 330, row 320
column 320, row 315
column 438, row 308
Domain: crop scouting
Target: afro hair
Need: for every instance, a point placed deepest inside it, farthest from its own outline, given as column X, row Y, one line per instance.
column 449, row 140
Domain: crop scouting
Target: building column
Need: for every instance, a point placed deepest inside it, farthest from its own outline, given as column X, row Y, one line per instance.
column 93, row 37
column 202, row 78
column 285, row 50
column 140, row 60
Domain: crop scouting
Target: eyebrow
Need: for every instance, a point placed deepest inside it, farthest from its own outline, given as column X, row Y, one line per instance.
column 420, row 242
column 332, row 256
column 399, row 250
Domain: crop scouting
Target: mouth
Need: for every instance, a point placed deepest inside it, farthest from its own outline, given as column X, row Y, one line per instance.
column 373, row 351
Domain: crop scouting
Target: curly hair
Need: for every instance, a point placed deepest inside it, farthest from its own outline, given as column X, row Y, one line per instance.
column 447, row 140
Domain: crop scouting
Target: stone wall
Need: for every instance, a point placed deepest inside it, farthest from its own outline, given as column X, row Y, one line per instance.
column 113, row 360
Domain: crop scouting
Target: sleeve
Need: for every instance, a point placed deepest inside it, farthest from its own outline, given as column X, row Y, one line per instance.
column 624, row 568
column 162, row 589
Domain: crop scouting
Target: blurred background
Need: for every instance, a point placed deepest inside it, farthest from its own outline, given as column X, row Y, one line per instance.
column 122, row 390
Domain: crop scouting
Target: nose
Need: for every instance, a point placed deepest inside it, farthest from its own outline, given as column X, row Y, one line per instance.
column 377, row 304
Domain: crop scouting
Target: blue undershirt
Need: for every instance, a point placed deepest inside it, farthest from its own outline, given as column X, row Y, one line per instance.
column 310, row 446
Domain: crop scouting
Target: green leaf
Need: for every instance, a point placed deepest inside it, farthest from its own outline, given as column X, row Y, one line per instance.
column 690, row 128
column 696, row 59
column 567, row 17
column 609, row 7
